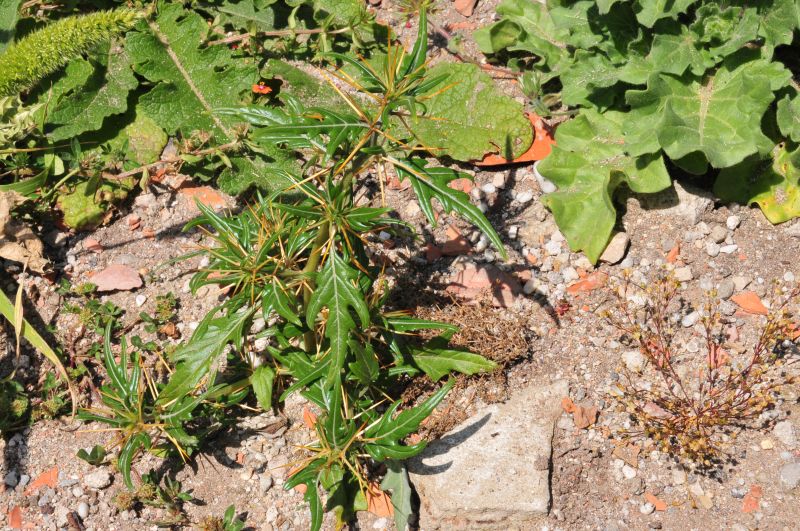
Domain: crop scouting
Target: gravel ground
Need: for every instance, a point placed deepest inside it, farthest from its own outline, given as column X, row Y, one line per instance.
column 727, row 248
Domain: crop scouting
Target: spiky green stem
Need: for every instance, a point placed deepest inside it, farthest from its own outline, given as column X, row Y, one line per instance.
column 46, row 50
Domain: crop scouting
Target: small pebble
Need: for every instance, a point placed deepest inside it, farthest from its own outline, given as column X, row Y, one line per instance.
column 83, row 510
column 712, row 249
column 140, row 300
column 732, row 222
column 489, row 188
column 788, row 277
column 11, row 479
column 718, row 234
column 684, row 274
column 728, row 249
column 647, row 508
column 767, row 444
column 629, row 472
column 691, row 319
column 725, row 289
column 790, row 475
column 524, row 197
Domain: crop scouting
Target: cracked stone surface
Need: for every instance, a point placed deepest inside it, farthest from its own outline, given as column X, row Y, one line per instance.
column 493, row 470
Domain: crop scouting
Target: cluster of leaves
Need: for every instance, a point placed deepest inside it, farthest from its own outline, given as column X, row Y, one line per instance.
column 694, row 405
column 300, row 261
column 690, row 85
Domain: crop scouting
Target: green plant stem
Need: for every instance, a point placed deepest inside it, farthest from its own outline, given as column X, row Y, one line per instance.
column 278, row 33
column 310, row 338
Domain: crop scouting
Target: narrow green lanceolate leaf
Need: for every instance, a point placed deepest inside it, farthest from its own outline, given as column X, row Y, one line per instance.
column 314, row 504
column 262, row 381
column 439, row 362
column 588, row 163
column 773, row 184
column 411, row 324
column 396, row 481
column 391, row 429
column 194, row 359
column 337, row 291
column 430, row 183
column 132, row 445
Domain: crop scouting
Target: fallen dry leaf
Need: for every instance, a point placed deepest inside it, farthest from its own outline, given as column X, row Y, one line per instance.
column 456, row 244
column 117, row 277
column 15, row 518
column 90, row 244
column 584, row 416
column 474, row 280
column 432, row 253
column 659, row 504
column 206, row 195
column 48, row 478
column 752, row 499
column 628, row 453
column 465, row 7
column 750, row 303
column 717, row 357
column 309, row 418
column 591, row 282
column 18, row 243
column 567, row 404
column 672, row 255
column 378, row 502
column 463, row 184
column 540, row 148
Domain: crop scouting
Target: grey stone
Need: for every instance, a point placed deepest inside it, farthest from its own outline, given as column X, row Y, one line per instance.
column 725, row 289
column 739, row 283
column 712, row 249
column 99, row 479
column 784, row 432
column 681, row 201
column 615, row 251
column 790, row 475
column 463, row 479
column 634, row 360
column 729, row 249
column 684, row 274
column 690, row 319
column 718, row 233
column 11, row 479
column 732, row 222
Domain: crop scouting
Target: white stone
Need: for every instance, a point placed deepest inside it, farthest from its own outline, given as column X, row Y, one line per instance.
column 499, row 179
column 647, row 508
column 784, row 432
column 684, row 274
column 728, row 249
column 788, row 276
column 615, row 251
column 629, row 472
column 493, row 469
column 552, row 248
column 712, row 249
column 140, row 300
column 689, row 320
column 489, row 188
column 545, row 185
column 98, row 479
column 83, row 510
column 678, row 476
column 524, row 197
column 634, row 360
column 570, row 274
column 732, row 222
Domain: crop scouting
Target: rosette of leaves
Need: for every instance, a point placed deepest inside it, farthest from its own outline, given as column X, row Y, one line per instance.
column 301, row 262
column 693, row 81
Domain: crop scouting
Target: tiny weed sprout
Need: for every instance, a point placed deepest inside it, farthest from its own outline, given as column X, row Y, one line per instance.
column 692, row 402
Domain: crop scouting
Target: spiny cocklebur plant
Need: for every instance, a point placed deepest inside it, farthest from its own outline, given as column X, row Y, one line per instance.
column 299, row 259
column 45, row 51
column 692, row 401
column 660, row 89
